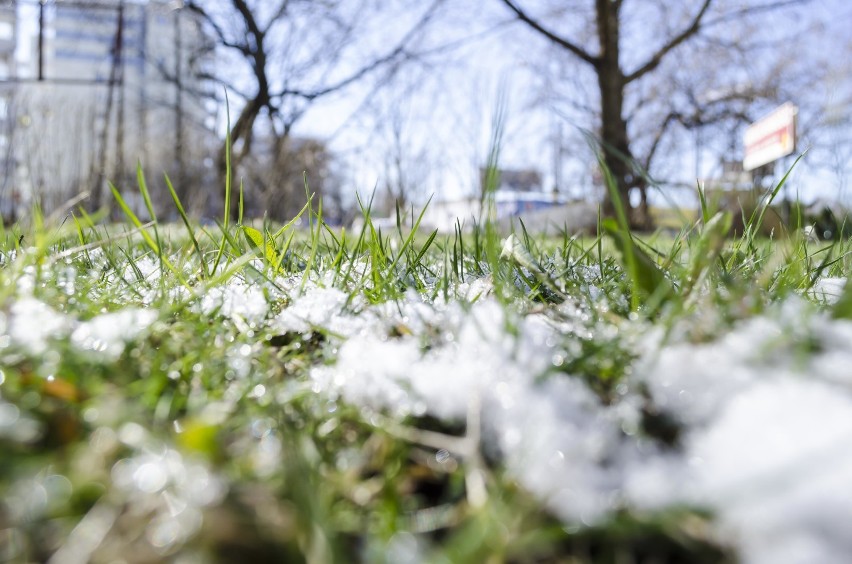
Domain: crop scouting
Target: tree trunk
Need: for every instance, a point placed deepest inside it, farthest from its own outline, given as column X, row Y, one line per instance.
column 611, row 83
column 615, row 140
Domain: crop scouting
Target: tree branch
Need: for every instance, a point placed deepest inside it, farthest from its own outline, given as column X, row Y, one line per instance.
column 658, row 57
column 400, row 51
column 750, row 10
column 575, row 49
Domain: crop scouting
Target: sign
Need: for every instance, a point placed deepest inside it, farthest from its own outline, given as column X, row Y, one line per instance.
column 771, row 137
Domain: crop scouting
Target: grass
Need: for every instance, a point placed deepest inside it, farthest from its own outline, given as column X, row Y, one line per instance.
column 195, row 430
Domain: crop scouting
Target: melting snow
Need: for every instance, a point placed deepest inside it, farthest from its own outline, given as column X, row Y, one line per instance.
column 828, row 289
column 765, row 409
column 766, row 414
column 33, row 324
column 108, row 333
column 238, row 298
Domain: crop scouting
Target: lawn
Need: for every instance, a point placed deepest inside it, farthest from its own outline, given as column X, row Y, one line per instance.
column 301, row 393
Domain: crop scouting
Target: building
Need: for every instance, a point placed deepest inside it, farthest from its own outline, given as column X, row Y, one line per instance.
column 8, row 40
column 95, row 87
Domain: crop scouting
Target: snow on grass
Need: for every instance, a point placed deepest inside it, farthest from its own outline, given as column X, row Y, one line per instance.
column 767, row 421
column 108, row 333
column 32, row 325
column 828, row 289
column 763, row 410
column 764, row 421
column 554, row 435
column 237, row 298
column 775, row 467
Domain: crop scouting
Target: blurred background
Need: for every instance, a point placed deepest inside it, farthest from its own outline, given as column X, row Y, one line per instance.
column 398, row 100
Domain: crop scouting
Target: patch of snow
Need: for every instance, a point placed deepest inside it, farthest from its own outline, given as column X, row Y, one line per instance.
column 108, row 333
column 765, row 409
column 561, row 445
column 237, row 298
column 33, row 324
column 554, row 435
column 767, row 415
column 317, row 307
column 775, row 465
column 828, row 289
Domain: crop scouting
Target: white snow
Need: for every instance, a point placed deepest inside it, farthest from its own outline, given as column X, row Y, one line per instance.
column 768, row 419
column 33, row 324
column 237, row 298
column 765, row 407
column 108, row 333
column 828, row 289
column 766, row 413
column 775, row 466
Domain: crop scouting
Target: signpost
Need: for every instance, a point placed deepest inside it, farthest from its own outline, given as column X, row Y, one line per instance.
column 771, row 137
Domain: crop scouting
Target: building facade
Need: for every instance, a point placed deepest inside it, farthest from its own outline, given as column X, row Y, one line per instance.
column 95, row 87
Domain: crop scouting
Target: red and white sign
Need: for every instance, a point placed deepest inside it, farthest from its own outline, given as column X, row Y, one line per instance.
column 771, row 137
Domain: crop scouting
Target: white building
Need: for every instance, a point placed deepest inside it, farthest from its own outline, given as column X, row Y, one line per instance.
column 96, row 88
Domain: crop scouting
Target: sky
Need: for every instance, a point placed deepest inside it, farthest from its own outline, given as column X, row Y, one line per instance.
column 492, row 63
column 447, row 113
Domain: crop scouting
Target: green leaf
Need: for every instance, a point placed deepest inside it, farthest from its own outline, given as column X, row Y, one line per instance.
column 843, row 308
column 644, row 272
column 709, row 244
column 257, row 240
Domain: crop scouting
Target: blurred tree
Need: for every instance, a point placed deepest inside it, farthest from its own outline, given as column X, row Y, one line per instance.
column 636, row 52
column 288, row 54
column 278, row 172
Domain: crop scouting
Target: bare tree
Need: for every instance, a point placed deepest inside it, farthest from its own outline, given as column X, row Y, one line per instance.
column 293, row 53
column 626, row 46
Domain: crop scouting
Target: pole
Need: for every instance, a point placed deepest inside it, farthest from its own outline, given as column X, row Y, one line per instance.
column 41, row 40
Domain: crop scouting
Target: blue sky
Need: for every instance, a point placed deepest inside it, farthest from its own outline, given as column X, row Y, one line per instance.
column 453, row 107
column 446, row 109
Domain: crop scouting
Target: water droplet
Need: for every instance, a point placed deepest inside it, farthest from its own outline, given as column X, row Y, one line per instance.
column 163, row 531
column 8, row 414
column 132, row 434
column 150, row 477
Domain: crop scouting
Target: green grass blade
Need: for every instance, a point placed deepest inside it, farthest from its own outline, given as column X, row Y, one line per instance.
column 188, row 225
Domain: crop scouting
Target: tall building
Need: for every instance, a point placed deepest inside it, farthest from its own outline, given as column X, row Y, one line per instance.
column 8, row 40
column 96, row 87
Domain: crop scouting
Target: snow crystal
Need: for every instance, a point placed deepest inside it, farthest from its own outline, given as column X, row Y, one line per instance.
column 828, row 289
column 766, row 429
column 236, row 298
column 109, row 333
column 776, row 467
column 556, row 438
column 32, row 324
column 317, row 307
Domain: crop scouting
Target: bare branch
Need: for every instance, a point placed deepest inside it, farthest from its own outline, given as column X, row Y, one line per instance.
column 400, row 52
column 279, row 13
column 575, row 49
column 658, row 57
column 751, row 10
